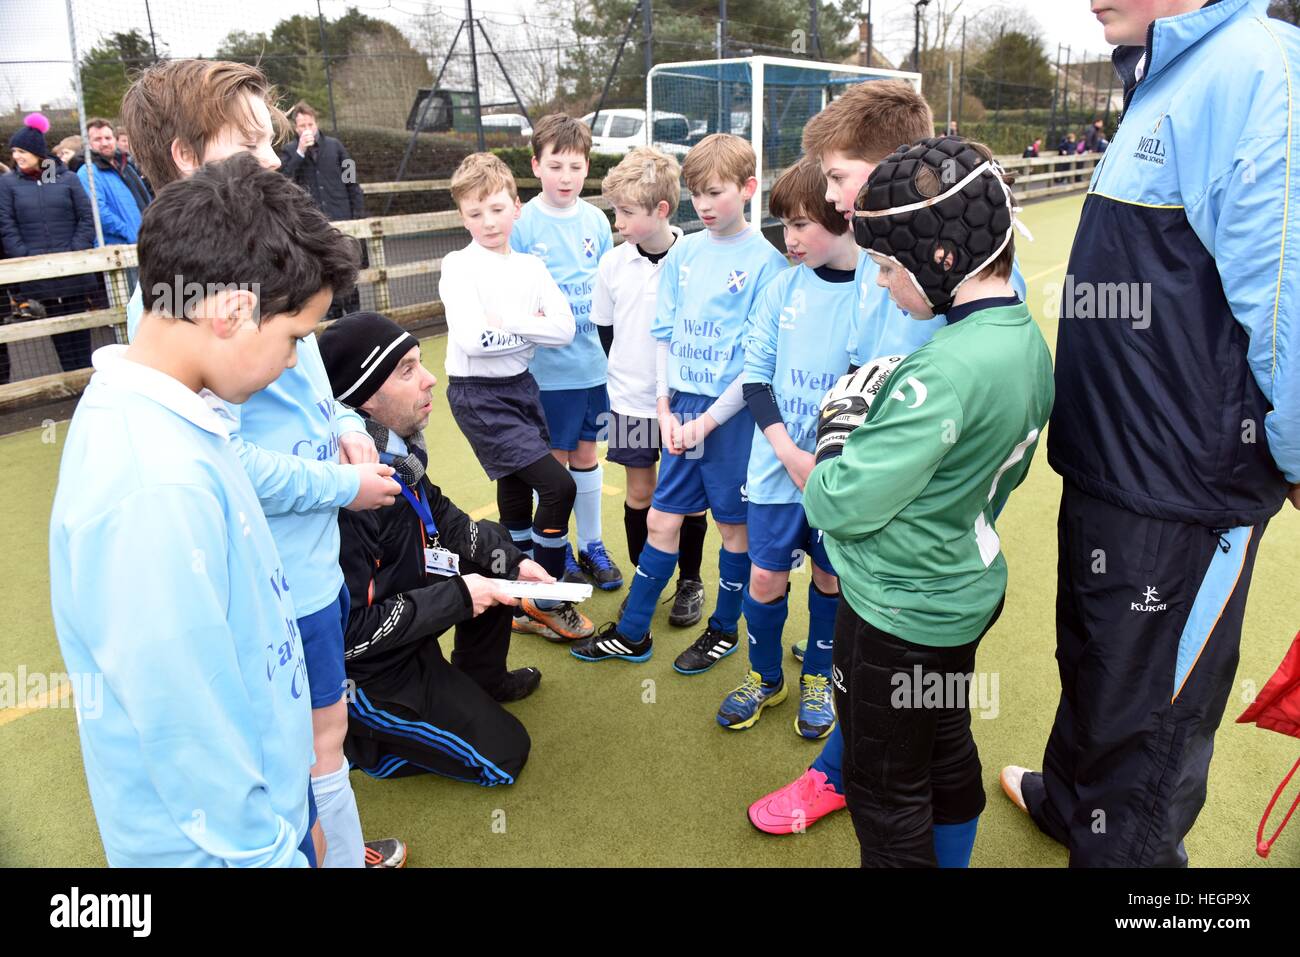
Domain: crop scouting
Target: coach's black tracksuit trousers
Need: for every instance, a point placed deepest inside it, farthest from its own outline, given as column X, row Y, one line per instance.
column 431, row 715
column 1148, row 626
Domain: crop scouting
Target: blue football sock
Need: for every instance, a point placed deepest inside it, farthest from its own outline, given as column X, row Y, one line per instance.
column 953, row 843
column 733, row 576
column 765, row 621
column 522, row 536
column 831, row 761
column 336, row 809
column 653, row 573
column 550, row 551
column 586, row 507
column 821, row 632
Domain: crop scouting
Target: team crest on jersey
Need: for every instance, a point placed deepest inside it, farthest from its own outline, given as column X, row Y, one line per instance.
column 589, row 247
column 1151, row 149
column 736, row 281
column 790, row 313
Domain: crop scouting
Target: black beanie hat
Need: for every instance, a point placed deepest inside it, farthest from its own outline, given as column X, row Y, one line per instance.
column 360, row 351
column 31, row 137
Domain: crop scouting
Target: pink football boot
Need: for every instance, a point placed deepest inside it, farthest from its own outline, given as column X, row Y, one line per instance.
column 808, row 798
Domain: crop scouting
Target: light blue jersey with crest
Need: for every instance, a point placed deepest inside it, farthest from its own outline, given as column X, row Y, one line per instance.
column 797, row 343
column 571, row 246
column 882, row 329
column 706, row 292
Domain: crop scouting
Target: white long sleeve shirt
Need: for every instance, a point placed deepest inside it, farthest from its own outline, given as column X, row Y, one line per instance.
column 499, row 308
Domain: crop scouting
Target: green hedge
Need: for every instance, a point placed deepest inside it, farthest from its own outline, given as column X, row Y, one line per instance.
column 519, row 159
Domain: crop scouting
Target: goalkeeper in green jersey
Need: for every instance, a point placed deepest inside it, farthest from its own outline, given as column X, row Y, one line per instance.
column 907, row 489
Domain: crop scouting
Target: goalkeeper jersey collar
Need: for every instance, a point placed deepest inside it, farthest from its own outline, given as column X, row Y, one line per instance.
column 957, row 313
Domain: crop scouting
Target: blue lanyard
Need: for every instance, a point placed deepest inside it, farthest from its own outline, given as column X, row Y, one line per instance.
column 422, row 510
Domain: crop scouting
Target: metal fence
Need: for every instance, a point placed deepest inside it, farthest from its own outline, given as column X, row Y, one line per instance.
column 411, row 86
column 405, row 260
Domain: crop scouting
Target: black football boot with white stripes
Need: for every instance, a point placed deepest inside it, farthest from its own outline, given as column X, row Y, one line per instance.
column 608, row 643
column 707, row 650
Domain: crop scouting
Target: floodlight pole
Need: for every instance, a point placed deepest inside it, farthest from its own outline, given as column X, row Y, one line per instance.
column 1056, row 89
column 870, row 38
column 609, row 77
column 325, row 58
column 961, row 73
column 424, row 112
column 647, row 35
column 916, row 55
column 473, row 64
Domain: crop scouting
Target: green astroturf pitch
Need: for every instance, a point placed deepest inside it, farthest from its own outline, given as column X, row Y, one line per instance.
column 628, row 765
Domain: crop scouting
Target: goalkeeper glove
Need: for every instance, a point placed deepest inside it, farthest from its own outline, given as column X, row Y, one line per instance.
column 846, row 405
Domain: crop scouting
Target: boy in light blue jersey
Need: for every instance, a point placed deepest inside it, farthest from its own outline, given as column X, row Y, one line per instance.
column 709, row 284
column 306, row 455
column 570, row 235
column 165, row 581
column 796, row 350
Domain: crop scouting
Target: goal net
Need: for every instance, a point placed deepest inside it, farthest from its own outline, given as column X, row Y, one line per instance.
column 766, row 100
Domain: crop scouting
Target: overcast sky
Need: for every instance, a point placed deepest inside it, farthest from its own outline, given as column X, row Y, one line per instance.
column 31, row 32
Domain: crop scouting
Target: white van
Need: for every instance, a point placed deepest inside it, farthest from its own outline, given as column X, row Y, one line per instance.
column 620, row 130
column 515, row 123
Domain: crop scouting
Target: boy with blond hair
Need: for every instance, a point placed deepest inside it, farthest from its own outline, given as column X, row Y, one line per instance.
column 644, row 190
column 709, row 283
column 570, row 235
column 500, row 306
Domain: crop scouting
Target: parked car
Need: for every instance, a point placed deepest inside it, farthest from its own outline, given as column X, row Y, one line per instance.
column 620, row 130
column 515, row 123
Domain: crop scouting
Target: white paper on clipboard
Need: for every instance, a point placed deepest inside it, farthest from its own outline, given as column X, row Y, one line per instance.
column 542, row 591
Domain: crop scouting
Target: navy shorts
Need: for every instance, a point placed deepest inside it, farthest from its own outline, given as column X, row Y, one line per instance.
column 712, row 475
column 575, row 415
column 780, row 538
column 322, row 646
column 633, row 441
column 307, row 847
column 502, row 419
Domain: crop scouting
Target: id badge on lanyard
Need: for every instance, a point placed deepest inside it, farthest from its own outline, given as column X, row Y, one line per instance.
column 437, row 560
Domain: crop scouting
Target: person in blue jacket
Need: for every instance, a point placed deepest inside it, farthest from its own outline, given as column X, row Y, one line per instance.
column 1176, row 428
column 169, row 596
column 120, row 193
column 43, row 210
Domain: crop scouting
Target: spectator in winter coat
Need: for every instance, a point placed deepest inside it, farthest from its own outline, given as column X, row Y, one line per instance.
column 43, row 210
column 321, row 165
column 119, row 191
